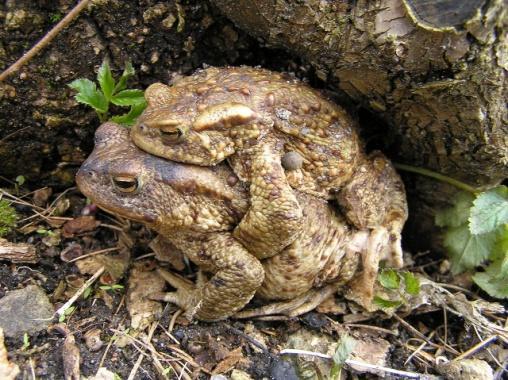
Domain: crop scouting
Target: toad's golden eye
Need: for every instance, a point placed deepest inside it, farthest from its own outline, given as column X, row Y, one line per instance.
column 171, row 136
column 125, row 184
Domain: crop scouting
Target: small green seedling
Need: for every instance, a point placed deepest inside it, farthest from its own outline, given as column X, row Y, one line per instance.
column 475, row 232
column 42, row 231
column 66, row 313
column 400, row 283
column 87, row 293
column 113, row 287
column 110, row 92
column 26, row 342
column 344, row 349
column 8, row 217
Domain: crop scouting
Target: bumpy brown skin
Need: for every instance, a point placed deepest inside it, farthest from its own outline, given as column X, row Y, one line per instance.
column 255, row 118
column 197, row 208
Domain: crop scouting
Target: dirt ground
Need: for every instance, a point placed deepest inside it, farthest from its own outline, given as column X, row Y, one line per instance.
column 45, row 135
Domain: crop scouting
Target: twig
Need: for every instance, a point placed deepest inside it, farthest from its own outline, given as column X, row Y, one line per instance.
column 173, row 320
column 45, row 40
column 477, row 347
column 421, row 336
column 136, row 366
column 80, row 291
column 94, row 253
column 351, row 362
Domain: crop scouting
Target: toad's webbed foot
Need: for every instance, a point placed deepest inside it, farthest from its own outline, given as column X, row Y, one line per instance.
column 374, row 199
column 293, row 308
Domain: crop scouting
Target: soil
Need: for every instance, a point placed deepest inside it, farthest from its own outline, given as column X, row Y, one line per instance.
column 45, row 135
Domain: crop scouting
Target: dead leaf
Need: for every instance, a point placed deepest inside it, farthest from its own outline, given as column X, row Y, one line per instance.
column 115, row 264
column 72, row 252
column 41, row 196
column 70, row 353
column 141, row 283
column 8, row 371
column 61, row 206
column 79, row 225
column 229, row 361
column 104, row 374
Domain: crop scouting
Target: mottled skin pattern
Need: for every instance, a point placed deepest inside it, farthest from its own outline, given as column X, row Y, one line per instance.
column 256, row 119
column 197, row 208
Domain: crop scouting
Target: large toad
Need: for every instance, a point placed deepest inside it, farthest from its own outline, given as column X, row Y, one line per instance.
column 197, row 208
column 264, row 122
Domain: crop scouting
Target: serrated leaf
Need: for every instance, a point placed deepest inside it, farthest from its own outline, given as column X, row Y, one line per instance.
column 128, row 72
column 389, row 279
column 128, row 98
column 89, row 95
column 467, row 251
column 385, row 303
column 458, row 213
column 105, row 79
column 494, row 280
column 412, row 283
column 489, row 211
column 130, row 117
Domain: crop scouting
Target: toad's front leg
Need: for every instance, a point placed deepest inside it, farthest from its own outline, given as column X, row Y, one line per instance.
column 236, row 276
column 274, row 219
column 374, row 199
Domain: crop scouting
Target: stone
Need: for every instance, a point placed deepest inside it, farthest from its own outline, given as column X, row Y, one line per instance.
column 26, row 310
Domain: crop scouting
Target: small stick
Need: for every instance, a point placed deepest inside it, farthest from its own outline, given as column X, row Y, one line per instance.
column 80, row 291
column 94, row 253
column 411, row 375
column 477, row 347
column 45, row 40
column 136, row 366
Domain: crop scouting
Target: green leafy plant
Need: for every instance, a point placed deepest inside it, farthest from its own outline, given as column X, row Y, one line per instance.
column 400, row 284
column 344, row 348
column 110, row 92
column 476, row 232
column 8, row 217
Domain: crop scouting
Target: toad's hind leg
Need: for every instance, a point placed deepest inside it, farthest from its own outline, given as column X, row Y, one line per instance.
column 274, row 219
column 237, row 276
column 374, row 199
column 295, row 307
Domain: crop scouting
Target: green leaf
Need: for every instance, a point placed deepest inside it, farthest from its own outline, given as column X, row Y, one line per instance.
column 344, row 348
column 389, row 279
column 412, row 283
column 128, row 98
column 458, row 214
column 105, row 79
column 489, row 211
column 130, row 117
column 89, row 95
column 494, row 280
column 128, row 72
column 385, row 303
column 20, row 180
column 467, row 251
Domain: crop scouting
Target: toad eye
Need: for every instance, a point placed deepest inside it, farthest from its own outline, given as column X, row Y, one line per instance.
column 173, row 135
column 125, row 184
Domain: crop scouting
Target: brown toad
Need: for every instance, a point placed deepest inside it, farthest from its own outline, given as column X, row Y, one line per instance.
column 263, row 122
column 196, row 209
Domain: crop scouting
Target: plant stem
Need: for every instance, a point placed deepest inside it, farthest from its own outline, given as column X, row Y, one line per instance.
column 441, row 177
